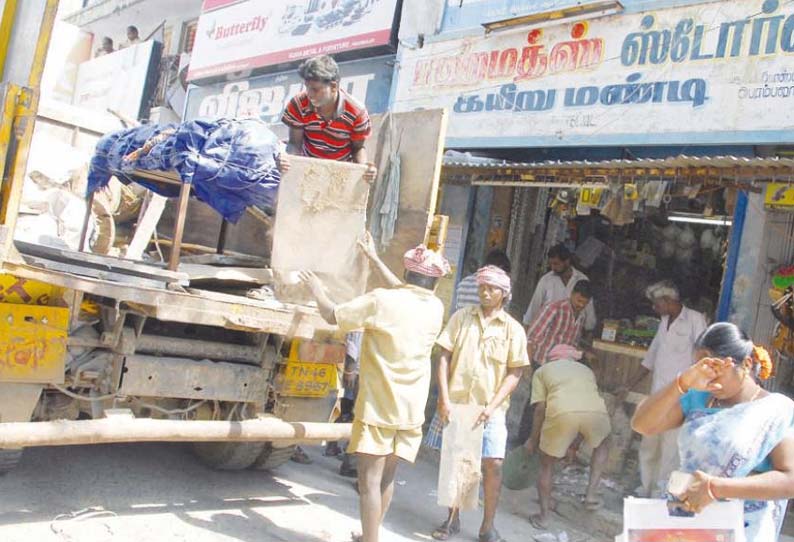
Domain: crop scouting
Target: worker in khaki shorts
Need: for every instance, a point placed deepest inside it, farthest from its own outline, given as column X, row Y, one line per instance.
column 400, row 327
column 568, row 408
column 483, row 355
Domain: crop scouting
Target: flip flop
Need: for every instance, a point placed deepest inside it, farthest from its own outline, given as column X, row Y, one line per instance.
column 593, row 505
column 537, row 523
column 491, row 536
column 447, row 530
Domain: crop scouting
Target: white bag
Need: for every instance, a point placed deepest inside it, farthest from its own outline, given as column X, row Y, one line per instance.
column 459, row 473
column 648, row 520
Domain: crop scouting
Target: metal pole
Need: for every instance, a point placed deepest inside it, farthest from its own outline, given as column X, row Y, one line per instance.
column 737, row 229
column 222, row 236
column 125, row 428
column 179, row 227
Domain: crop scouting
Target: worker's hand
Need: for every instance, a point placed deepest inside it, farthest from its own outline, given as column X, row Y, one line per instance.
column 443, row 409
column 371, row 174
column 484, row 416
column 313, row 282
column 696, row 497
column 349, row 378
column 283, row 162
column 367, row 245
column 703, row 375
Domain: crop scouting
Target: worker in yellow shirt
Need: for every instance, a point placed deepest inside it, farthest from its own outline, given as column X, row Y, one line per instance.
column 482, row 357
column 400, row 327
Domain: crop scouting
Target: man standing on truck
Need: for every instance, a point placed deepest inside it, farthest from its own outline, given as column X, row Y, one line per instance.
column 324, row 120
column 400, row 326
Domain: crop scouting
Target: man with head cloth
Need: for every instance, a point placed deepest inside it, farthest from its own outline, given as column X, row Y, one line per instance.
column 483, row 352
column 400, row 326
column 670, row 353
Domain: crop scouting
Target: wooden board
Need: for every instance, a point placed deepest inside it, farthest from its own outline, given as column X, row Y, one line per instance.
column 418, row 137
column 320, row 217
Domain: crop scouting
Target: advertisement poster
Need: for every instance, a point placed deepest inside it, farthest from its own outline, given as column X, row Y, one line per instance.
column 244, row 35
column 715, row 73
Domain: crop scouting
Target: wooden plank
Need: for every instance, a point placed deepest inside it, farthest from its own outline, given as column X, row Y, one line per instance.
column 418, row 138
column 146, row 227
column 321, row 215
column 97, row 261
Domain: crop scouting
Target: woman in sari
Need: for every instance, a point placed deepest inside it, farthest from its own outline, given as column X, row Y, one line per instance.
column 736, row 438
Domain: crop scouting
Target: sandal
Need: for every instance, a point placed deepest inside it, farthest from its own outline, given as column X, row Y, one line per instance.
column 447, row 530
column 299, row 456
column 538, row 523
column 491, row 536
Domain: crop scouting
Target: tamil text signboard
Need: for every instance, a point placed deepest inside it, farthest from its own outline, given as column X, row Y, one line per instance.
column 250, row 34
column 265, row 97
column 714, row 73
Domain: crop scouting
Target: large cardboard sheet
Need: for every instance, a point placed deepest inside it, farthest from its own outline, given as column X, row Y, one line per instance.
column 320, row 216
column 648, row 520
column 459, row 472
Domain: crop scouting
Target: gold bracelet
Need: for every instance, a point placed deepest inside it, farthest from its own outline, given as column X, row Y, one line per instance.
column 678, row 384
column 710, row 490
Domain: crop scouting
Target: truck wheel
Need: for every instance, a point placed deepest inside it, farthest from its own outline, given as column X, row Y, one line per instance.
column 9, row 460
column 272, row 457
column 228, row 455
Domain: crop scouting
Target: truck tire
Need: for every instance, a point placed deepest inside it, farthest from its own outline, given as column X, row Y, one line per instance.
column 228, row 455
column 9, row 460
column 272, row 457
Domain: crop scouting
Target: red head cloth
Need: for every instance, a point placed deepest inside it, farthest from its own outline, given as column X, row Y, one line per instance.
column 564, row 351
column 494, row 276
column 426, row 262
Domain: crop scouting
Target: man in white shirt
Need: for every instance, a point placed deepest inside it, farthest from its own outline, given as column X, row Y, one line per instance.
column 671, row 352
column 557, row 285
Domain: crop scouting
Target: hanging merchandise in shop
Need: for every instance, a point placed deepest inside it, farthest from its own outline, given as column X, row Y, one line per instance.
column 266, row 96
column 235, row 36
column 657, row 77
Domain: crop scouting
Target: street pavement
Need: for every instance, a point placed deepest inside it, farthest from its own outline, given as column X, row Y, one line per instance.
column 159, row 492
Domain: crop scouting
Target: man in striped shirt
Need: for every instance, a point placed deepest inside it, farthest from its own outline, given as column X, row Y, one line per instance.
column 560, row 322
column 467, row 292
column 325, row 121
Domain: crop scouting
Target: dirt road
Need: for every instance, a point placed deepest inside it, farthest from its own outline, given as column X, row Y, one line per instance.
column 155, row 493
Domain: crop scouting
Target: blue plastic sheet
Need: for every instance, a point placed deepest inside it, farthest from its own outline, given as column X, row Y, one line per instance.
column 230, row 163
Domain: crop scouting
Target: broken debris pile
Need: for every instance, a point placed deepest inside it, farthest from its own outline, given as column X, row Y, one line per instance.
column 229, row 163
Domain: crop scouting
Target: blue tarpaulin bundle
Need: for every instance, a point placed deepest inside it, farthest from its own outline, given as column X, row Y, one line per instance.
column 230, row 163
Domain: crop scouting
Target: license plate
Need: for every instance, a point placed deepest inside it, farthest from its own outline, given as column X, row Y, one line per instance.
column 299, row 379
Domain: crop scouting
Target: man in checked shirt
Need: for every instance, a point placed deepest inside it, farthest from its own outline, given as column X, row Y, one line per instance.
column 560, row 322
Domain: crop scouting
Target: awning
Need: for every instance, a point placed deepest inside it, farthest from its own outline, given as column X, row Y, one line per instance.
column 728, row 170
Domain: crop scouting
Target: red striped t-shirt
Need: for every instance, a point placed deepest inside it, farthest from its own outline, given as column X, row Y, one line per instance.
column 329, row 139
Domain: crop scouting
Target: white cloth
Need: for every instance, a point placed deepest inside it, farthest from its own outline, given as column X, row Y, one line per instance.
column 672, row 350
column 550, row 288
column 467, row 292
column 658, row 459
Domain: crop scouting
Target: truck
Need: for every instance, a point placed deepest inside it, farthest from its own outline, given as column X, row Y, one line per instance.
column 102, row 349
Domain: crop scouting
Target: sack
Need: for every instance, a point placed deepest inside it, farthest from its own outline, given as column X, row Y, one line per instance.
column 519, row 469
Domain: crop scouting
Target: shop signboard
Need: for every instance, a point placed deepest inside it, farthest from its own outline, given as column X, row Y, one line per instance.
column 236, row 36
column 122, row 81
column 265, row 97
column 714, row 73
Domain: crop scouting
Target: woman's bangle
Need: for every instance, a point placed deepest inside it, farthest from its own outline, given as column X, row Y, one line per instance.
column 710, row 490
column 678, row 384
